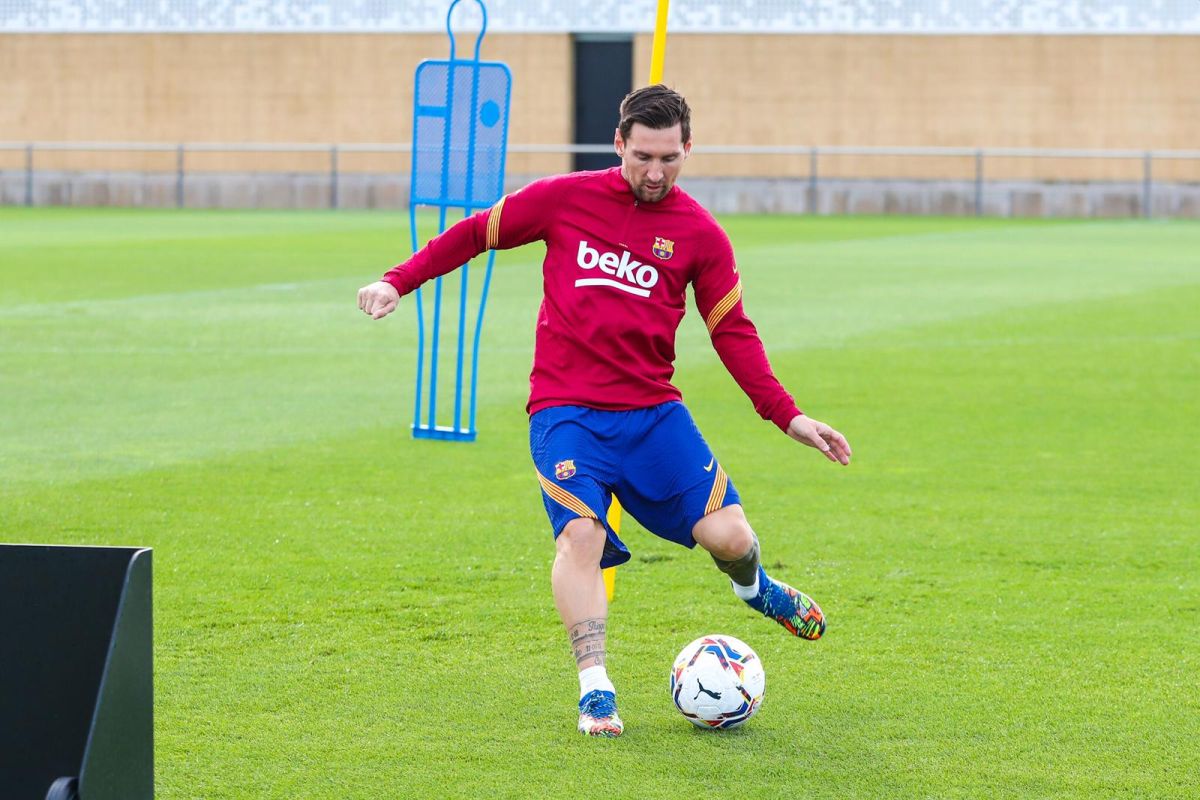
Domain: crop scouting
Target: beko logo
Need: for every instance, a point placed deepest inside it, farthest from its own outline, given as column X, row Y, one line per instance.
column 631, row 276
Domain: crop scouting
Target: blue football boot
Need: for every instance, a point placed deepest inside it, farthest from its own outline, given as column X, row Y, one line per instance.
column 794, row 610
column 598, row 714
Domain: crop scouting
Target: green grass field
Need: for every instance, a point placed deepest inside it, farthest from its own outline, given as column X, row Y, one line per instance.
column 1010, row 567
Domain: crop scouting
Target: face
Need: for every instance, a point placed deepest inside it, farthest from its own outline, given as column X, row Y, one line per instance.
column 651, row 159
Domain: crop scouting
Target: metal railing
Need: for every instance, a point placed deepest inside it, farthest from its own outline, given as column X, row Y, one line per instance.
column 333, row 152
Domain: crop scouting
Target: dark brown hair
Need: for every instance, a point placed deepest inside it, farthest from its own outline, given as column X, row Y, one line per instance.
column 655, row 107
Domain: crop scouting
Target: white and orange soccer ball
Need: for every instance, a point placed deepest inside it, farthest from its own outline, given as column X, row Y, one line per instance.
column 717, row 681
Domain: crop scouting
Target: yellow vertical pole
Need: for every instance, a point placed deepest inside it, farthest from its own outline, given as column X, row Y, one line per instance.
column 610, row 573
column 657, row 56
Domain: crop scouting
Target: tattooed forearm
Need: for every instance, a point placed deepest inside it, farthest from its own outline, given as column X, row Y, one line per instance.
column 587, row 640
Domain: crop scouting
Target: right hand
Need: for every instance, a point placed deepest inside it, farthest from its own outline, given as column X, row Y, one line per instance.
column 378, row 299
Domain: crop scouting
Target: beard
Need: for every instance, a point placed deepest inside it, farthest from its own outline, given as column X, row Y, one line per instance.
column 651, row 194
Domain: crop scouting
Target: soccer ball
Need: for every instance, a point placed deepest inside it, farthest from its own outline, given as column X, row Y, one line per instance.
column 717, row 682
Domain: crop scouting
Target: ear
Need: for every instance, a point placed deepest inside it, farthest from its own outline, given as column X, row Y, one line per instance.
column 618, row 143
column 687, row 149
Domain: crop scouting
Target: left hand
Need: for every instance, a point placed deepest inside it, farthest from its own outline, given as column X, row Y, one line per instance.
column 815, row 433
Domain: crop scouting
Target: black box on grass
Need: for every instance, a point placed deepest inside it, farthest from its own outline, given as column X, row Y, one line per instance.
column 76, row 673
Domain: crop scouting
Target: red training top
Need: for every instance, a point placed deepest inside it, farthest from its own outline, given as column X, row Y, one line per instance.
column 614, row 283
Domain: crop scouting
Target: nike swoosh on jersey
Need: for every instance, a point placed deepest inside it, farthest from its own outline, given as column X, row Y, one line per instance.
column 710, row 464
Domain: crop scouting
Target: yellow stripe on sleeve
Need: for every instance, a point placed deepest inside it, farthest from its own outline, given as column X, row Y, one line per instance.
column 720, row 481
column 493, row 225
column 724, row 307
column 565, row 498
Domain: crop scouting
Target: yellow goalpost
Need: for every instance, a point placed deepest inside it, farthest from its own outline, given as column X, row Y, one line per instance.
column 657, row 56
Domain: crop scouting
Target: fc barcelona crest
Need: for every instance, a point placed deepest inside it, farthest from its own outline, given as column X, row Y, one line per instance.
column 663, row 248
column 564, row 469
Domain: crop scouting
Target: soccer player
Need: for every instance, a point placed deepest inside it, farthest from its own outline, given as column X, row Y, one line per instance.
column 622, row 246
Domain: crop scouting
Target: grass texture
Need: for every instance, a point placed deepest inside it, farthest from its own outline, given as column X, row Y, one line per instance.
column 1010, row 566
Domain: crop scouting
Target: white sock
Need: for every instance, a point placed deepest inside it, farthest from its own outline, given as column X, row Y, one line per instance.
column 594, row 678
column 746, row 592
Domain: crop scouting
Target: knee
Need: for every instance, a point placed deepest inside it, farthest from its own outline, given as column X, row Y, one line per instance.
column 725, row 533
column 582, row 539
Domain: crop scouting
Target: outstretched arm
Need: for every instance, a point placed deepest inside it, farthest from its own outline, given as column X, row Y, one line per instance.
column 518, row 219
column 719, row 297
column 444, row 253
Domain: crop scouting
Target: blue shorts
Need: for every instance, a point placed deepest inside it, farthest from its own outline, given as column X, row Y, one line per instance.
column 653, row 459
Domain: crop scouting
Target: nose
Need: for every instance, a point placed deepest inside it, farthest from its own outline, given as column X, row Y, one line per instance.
column 655, row 174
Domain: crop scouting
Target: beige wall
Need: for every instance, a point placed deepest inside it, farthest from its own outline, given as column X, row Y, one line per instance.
column 1110, row 92
column 992, row 91
column 256, row 88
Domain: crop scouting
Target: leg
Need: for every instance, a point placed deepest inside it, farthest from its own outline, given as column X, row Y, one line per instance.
column 583, row 607
column 579, row 589
column 575, row 470
column 727, row 536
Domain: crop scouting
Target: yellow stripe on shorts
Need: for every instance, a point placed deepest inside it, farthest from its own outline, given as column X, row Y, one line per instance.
column 565, row 498
column 717, row 495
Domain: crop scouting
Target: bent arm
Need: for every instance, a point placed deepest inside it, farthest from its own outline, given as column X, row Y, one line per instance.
column 719, row 298
column 737, row 343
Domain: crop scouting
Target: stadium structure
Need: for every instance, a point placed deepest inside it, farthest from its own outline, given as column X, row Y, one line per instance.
column 1043, row 108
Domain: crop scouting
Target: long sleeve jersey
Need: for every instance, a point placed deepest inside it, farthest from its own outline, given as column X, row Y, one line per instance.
column 614, row 287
